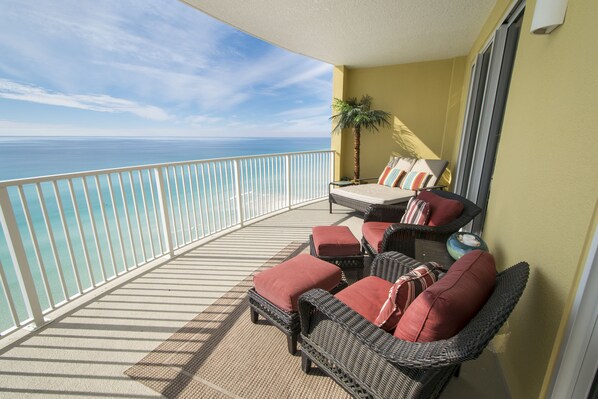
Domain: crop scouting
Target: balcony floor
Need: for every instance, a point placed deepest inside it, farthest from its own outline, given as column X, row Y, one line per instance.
column 85, row 352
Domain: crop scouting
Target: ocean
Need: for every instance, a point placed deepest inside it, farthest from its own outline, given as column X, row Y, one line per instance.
column 22, row 157
column 83, row 261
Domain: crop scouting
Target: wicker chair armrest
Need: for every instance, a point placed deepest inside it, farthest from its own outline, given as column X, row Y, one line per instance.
column 392, row 265
column 442, row 187
column 384, row 213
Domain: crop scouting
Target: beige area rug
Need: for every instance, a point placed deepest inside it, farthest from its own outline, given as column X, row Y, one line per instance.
column 221, row 354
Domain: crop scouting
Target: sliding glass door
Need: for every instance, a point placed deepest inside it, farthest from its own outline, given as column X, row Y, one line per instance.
column 488, row 91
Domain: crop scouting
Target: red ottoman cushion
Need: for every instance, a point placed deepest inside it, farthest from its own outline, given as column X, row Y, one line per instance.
column 366, row 296
column 442, row 310
column 335, row 241
column 374, row 233
column 442, row 210
column 283, row 284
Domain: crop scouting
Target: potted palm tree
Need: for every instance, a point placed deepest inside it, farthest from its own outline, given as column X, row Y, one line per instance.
column 356, row 114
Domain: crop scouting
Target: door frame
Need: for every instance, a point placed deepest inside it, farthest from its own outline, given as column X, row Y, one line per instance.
column 577, row 361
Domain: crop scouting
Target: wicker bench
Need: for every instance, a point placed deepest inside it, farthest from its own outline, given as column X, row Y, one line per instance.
column 276, row 292
column 337, row 245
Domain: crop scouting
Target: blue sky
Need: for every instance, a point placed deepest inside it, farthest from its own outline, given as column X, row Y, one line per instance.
column 149, row 68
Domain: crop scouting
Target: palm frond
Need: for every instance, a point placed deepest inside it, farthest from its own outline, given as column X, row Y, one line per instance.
column 358, row 113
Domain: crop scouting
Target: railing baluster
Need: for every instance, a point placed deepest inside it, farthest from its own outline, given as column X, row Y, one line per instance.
column 9, row 225
column 155, row 208
column 81, row 235
column 178, row 201
column 229, row 195
column 287, row 159
column 212, row 202
column 38, row 254
column 127, row 218
column 166, row 224
column 207, row 191
column 53, row 246
column 9, row 298
column 186, row 201
column 191, row 191
column 238, row 199
column 137, row 218
column 94, row 229
column 146, row 212
column 222, row 210
column 199, row 201
column 117, row 223
column 175, row 229
column 67, row 236
column 106, row 227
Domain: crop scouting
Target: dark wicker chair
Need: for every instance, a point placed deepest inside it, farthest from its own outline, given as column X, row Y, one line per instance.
column 401, row 237
column 371, row 363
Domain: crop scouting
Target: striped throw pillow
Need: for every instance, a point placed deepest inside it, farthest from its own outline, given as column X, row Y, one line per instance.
column 404, row 291
column 391, row 177
column 417, row 212
column 415, row 180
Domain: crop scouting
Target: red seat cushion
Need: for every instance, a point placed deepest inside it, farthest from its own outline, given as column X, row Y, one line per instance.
column 442, row 210
column 366, row 296
column 442, row 310
column 373, row 232
column 335, row 241
column 283, row 284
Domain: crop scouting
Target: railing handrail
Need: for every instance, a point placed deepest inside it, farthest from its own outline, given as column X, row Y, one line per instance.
column 72, row 175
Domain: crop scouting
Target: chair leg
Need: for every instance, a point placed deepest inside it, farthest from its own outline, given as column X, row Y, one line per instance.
column 292, row 343
column 305, row 363
column 457, row 371
column 330, row 204
column 254, row 315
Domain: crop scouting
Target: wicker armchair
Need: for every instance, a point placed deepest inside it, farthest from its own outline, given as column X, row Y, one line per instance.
column 401, row 237
column 371, row 363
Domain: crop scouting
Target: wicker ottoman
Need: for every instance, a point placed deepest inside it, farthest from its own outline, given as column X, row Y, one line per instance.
column 276, row 292
column 337, row 245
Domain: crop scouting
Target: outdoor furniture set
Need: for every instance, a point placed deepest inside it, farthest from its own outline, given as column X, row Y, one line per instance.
column 403, row 331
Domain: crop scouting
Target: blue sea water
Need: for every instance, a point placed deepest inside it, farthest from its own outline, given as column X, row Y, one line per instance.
column 40, row 156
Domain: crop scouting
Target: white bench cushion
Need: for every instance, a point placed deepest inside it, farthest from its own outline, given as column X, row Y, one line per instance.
column 374, row 194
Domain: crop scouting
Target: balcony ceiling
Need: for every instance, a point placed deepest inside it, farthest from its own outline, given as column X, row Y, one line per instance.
column 358, row 33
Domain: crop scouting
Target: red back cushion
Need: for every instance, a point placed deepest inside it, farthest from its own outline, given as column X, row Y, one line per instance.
column 404, row 291
column 442, row 310
column 366, row 296
column 442, row 210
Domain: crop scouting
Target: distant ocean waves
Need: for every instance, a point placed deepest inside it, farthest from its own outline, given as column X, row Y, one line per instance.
column 40, row 156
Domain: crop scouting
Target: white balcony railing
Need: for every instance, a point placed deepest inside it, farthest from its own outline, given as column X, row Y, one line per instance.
column 65, row 235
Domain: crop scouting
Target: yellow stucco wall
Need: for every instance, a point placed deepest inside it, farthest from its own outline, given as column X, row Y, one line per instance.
column 424, row 99
column 545, row 189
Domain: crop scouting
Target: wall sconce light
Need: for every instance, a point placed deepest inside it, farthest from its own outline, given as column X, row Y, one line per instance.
column 548, row 15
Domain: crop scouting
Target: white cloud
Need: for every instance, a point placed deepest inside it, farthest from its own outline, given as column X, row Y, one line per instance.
column 101, row 103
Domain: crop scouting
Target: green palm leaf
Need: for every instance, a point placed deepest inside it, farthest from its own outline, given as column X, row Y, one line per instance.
column 357, row 114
